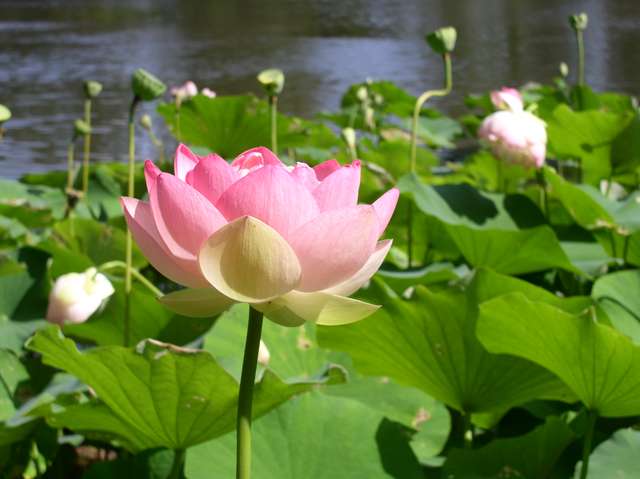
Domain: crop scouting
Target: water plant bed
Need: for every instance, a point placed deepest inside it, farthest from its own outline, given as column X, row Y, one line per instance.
column 378, row 291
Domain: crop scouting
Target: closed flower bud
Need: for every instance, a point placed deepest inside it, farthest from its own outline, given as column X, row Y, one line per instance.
column 263, row 354
column 145, row 122
column 208, row 93
column 5, row 113
column 362, row 94
column 184, row 92
column 92, row 88
column 564, row 70
column 145, row 86
column 272, row 80
column 349, row 137
column 443, row 40
column 579, row 21
column 80, row 128
column 76, row 296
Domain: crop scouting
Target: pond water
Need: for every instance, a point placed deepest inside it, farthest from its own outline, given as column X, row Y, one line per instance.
column 47, row 48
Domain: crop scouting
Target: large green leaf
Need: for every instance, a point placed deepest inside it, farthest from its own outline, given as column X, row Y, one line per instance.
column 156, row 395
column 599, row 364
column 230, row 125
column 15, row 281
column 314, row 436
column 485, row 225
column 619, row 295
column 429, row 343
column 616, row 458
column 531, row 456
column 294, row 353
column 586, row 135
column 12, row 373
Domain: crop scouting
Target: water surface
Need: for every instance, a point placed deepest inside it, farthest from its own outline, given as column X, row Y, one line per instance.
column 47, row 48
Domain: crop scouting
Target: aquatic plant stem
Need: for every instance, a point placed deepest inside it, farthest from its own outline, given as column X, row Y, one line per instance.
column 87, row 146
column 588, row 442
column 70, row 164
column 178, row 461
column 542, row 183
column 580, row 40
column 245, row 397
column 273, row 107
column 129, row 244
column 422, row 99
column 122, row 265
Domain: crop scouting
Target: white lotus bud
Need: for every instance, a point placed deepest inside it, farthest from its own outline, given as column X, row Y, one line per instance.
column 76, row 296
column 263, row 354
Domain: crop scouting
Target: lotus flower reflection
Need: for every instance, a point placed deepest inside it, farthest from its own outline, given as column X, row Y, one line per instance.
column 290, row 241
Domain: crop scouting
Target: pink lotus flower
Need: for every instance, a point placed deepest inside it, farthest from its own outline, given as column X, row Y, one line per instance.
column 290, row 241
column 514, row 135
column 76, row 296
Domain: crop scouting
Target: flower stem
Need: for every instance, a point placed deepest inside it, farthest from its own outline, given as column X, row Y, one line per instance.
column 70, row 164
column 178, row 461
column 87, row 146
column 273, row 107
column 588, row 441
column 120, row 264
column 129, row 245
column 542, row 183
column 422, row 99
column 245, row 397
column 580, row 40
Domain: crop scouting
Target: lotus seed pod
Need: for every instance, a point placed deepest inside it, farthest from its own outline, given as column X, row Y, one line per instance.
column 5, row 113
column 579, row 21
column 272, row 80
column 349, row 137
column 145, row 86
column 92, row 88
column 81, row 128
column 145, row 122
column 443, row 40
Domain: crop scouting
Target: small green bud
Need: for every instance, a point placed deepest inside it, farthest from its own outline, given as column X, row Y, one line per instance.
column 80, row 128
column 362, row 94
column 579, row 21
column 564, row 70
column 145, row 122
column 92, row 88
column 146, row 86
column 349, row 137
column 443, row 40
column 5, row 113
column 272, row 80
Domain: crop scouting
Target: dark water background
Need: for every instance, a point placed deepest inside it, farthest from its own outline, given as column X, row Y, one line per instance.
column 47, row 48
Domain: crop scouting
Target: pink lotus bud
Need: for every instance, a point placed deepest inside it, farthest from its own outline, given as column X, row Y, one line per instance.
column 291, row 241
column 76, row 296
column 263, row 354
column 208, row 93
column 184, row 92
column 507, row 99
column 517, row 137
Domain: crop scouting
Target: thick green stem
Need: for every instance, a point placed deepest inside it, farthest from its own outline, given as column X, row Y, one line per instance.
column 129, row 245
column 122, row 265
column 273, row 106
column 245, row 398
column 580, row 40
column 422, row 99
column 588, row 442
column 87, row 146
column 178, row 461
column 70, row 164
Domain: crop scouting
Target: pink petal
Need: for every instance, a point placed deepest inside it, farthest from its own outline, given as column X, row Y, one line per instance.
column 255, row 157
column 326, row 168
column 271, row 195
column 385, row 206
column 151, row 173
column 305, row 175
column 183, row 216
column 335, row 245
column 184, row 161
column 212, row 176
column 339, row 189
column 140, row 220
column 364, row 274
